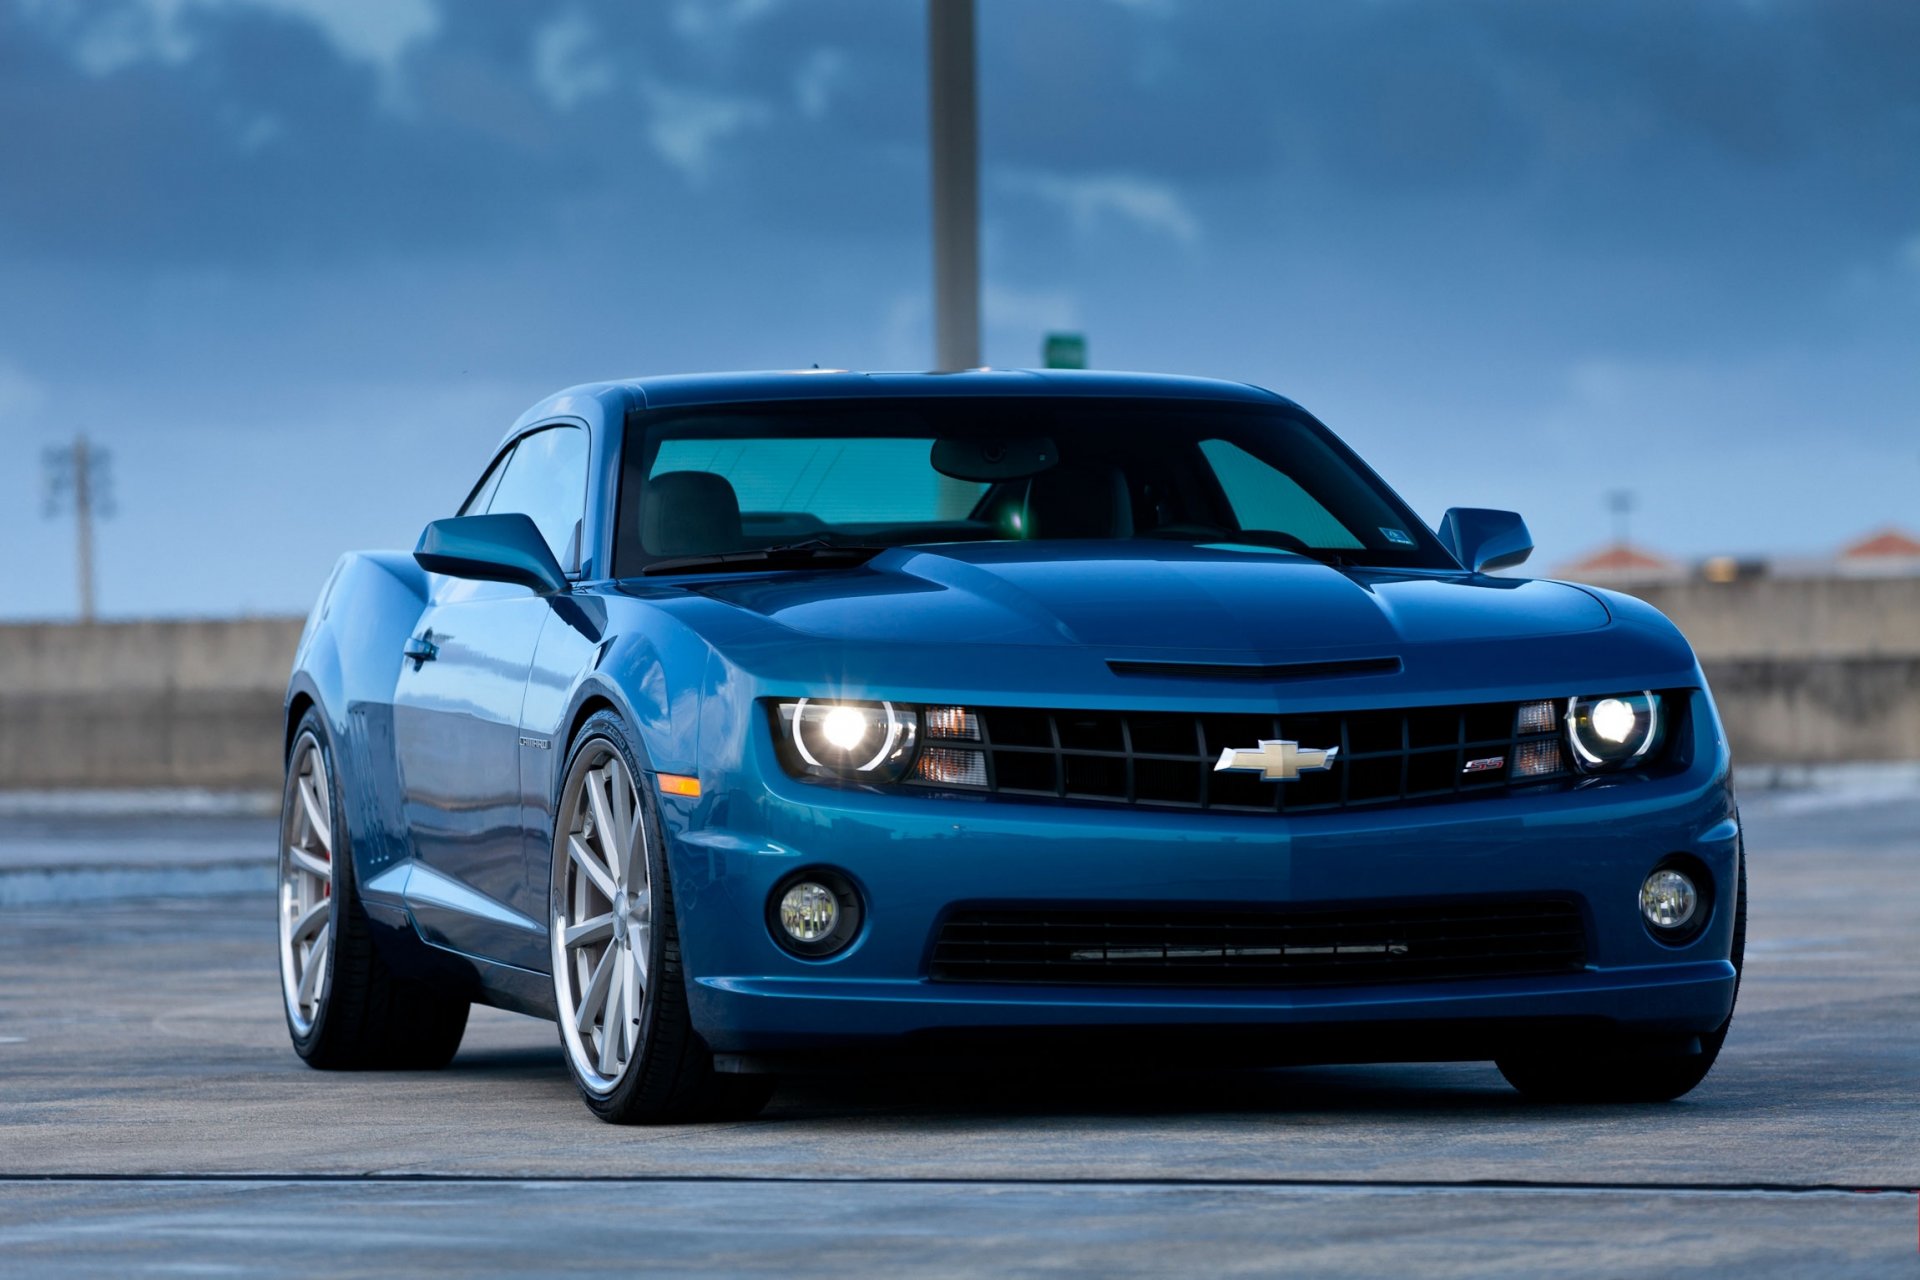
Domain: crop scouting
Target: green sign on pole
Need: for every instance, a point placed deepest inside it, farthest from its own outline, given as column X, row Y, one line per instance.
column 1065, row 351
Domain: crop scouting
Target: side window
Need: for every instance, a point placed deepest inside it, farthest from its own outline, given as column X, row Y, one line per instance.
column 483, row 492
column 1265, row 498
column 546, row 480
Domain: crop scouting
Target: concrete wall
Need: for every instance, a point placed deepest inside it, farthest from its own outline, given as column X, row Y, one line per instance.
column 144, row 704
column 1806, row 671
column 1795, row 617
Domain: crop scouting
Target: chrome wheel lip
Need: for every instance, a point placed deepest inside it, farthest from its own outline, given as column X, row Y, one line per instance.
column 600, row 923
column 306, row 885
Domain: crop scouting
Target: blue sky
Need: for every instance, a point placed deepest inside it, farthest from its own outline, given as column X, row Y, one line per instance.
column 299, row 263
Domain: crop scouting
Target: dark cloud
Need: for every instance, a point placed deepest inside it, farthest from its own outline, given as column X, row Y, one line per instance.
column 1505, row 217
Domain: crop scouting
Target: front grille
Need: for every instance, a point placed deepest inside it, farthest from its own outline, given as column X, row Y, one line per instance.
column 1259, row 948
column 1167, row 758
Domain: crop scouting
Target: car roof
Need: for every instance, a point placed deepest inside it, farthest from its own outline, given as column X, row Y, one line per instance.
column 681, row 390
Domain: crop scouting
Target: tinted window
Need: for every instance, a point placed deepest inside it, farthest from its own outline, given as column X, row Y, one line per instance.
column 828, row 480
column 739, row 477
column 546, row 480
column 1265, row 498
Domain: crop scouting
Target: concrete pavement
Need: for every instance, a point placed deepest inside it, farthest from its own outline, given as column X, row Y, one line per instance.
column 142, row 1042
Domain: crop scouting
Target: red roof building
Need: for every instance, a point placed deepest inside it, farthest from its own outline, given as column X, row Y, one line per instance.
column 1883, row 542
column 1620, row 562
column 1888, row 551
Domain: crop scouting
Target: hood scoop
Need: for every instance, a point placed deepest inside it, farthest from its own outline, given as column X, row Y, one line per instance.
column 1258, row 671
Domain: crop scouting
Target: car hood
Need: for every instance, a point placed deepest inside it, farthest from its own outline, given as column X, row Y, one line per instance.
column 1151, row 598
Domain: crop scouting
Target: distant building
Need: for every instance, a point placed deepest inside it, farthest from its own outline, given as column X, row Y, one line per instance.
column 1888, row 552
column 1622, row 564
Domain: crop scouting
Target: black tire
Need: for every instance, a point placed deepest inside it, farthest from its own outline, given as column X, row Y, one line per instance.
column 1604, row 1073
column 368, row 1017
column 669, row 1079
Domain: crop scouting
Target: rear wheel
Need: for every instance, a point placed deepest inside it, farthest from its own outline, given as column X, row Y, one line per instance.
column 345, row 1009
column 619, row 983
column 1615, row 1073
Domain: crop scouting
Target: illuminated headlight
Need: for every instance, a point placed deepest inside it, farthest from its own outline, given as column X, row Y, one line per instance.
column 1613, row 731
column 868, row 741
column 882, row 742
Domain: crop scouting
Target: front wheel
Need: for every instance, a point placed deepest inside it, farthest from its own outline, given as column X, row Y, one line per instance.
column 618, row 980
column 1596, row 1074
column 345, row 1008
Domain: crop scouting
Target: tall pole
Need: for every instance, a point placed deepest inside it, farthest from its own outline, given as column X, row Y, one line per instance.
column 955, row 146
column 1621, row 503
column 80, row 472
column 83, row 522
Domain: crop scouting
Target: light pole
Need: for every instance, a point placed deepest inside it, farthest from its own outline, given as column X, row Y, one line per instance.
column 80, row 474
column 1621, row 503
column 955, row 145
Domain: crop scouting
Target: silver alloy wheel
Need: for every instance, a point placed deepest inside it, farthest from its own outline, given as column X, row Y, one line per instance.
column 602, row 917
column 306, row 884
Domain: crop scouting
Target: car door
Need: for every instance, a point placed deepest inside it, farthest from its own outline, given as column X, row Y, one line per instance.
column 457, row 711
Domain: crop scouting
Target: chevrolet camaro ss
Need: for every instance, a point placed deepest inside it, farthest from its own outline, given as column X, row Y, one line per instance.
column 743, row 724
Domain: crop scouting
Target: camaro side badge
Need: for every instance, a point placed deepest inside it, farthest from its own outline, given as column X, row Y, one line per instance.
column 1277, row 761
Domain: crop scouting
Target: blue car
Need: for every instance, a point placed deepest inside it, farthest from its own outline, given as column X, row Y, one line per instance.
column 751, row 723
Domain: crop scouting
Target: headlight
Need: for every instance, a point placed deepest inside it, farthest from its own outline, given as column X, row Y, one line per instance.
column 865, row 741
column 1615, row 730
column 882, row 742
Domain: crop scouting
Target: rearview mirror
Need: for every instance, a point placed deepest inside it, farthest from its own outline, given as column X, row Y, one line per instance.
column 992, row 461
column 493, row 548
column 1483, row 539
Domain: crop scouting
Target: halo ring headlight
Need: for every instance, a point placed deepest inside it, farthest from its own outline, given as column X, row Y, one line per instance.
column 1615, row 730
column 851, row 739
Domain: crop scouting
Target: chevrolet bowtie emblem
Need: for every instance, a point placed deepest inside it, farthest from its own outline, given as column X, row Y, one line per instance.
column 1277, row 761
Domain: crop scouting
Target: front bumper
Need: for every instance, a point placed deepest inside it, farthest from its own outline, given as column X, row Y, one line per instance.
column 916, row 857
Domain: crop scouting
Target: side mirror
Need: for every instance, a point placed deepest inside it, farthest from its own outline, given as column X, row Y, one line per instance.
column 1482, row 539
column 494, row 548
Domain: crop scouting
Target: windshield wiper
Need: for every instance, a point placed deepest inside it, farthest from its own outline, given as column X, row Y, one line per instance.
column 1263, row 538
column 813, row 552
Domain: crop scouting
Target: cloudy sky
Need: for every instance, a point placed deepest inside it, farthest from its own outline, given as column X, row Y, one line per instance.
column 299, row 263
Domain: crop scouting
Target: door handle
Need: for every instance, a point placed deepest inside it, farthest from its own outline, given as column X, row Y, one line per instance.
column 421, row 650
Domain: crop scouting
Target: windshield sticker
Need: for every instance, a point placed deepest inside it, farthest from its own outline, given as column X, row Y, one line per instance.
column 1400, row 537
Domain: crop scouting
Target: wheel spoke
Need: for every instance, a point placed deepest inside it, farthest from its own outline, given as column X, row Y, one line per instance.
column 598, row 929
column 605, row 834
column 636, row 982
column 596, row 871
column 593, row 997
column 637, row 850
column 316, row 815
column 309, row 864
column 316, row 965
column 629, row 1006
column 315, row 917
column 610, row 1025
column 640, row 933
column 620, row 833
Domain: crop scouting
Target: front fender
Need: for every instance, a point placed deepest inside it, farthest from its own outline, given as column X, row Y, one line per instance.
column 347, row 666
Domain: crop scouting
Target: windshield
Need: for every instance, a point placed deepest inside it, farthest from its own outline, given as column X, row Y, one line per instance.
column 814, row 474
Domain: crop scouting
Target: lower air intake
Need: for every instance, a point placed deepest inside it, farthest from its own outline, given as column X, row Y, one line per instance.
column 1259, row 948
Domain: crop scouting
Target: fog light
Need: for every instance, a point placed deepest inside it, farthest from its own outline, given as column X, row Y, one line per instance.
column 809, row 912
column 1668, row 900
column 814, row 913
